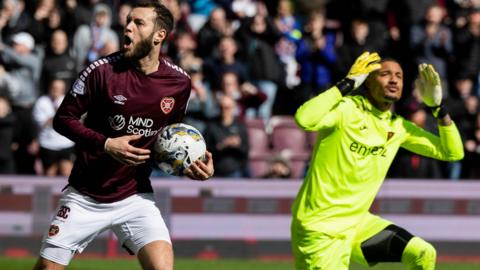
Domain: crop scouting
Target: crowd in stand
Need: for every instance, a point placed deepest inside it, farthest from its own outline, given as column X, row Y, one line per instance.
column 249, row 61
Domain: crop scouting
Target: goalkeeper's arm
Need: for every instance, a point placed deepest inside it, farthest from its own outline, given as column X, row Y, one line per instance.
column 310, row 115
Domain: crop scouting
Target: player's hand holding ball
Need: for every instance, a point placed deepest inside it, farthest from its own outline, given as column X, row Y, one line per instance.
column 429, row 87
column 180, row 150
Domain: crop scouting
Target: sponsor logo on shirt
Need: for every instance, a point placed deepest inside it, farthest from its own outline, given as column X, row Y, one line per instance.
column 119, row 99
column 167, row 104
column 135, row 125
column 364, row 150
column 117, row 122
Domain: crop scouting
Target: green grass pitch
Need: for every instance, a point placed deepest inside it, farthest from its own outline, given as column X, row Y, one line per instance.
column 191, row 264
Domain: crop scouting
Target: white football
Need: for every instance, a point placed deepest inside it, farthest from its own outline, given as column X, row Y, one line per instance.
column 177, row 147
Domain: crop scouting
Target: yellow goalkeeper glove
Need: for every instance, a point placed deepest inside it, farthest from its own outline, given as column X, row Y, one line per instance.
column 429, row 87
column 363, row 65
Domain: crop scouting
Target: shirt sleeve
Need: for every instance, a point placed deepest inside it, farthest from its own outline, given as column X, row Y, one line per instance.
column 319, row 113
column 67, row 120
column 447, row 147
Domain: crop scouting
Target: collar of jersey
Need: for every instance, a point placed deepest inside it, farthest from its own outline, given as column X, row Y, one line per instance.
column 365, row 103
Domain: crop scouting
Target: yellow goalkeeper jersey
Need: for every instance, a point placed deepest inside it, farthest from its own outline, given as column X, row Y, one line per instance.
column 356, row 146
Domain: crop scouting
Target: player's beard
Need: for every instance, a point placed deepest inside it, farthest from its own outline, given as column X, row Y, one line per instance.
column 141, row 49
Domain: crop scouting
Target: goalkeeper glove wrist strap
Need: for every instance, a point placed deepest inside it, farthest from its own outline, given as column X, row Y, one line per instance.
column 345, row 86
column 439, row 111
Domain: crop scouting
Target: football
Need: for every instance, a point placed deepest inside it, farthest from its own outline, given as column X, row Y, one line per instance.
column 177, row 147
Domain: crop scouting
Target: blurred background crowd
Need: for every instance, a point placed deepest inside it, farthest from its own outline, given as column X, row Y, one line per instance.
column 252, row 63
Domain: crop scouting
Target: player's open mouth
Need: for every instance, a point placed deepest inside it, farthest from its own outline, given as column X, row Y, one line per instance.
column 127, row 42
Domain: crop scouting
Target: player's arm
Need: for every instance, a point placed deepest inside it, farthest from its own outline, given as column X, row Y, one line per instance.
column 312, row 115
column 448, row 145
column 67, row 121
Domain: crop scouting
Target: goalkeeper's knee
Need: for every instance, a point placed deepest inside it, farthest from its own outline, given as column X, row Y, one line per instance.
column 419, row 255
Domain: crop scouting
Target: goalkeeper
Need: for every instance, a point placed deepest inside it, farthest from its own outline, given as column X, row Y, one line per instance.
column 358, row 139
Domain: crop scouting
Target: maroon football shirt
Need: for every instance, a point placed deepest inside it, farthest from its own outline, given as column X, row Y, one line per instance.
column 110, row 98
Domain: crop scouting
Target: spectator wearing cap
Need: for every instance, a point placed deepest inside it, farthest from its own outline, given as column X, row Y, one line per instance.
column 24, row 64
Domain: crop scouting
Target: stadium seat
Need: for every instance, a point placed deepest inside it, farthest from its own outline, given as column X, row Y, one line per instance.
column 285, row 134
column 259, row 163
column 299, row 163
column 257, row 136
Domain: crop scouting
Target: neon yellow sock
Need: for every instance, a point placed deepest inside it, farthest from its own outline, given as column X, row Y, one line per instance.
column 419, row 255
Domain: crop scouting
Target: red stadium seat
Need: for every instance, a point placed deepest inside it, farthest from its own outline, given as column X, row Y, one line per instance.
column 285, row 134
column 259, row 163
column 257, row 136
column 299, row 162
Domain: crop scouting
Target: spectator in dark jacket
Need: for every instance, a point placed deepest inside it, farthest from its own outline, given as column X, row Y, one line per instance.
column 228, row 140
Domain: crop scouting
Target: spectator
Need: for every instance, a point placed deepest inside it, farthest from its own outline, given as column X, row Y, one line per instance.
column 431, row 42
column 119, row 25
column 467, row 45
column 46, row 19
column 258, row 35
column 210, row 34
column 14, row 18
column 355, row 43
column 214, row 68
column 472, row 153
column 228, row 139
column 58, row 63
column 94, row 40
column 246, row 95
column 316, row 55
column 201, row 106
column 278, row 167
column 183, row 52
column 24, row 64
column 56, row 151
column 7, row 119
column 286, row 47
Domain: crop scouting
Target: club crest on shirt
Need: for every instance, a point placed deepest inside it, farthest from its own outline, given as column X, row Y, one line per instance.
column 389, row 135
column 167, row 104
column 53, row 230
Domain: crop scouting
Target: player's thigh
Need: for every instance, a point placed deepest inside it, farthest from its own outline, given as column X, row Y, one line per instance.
column 76, row 223
column 140, row 223
column 59, row 258
column 317, row 250
column 378, row 240
column 157, row 255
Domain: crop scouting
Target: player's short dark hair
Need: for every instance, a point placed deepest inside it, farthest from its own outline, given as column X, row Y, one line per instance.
column 164, row 16
column 388, row 59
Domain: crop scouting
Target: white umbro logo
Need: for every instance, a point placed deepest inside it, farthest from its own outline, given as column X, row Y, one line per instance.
column 119, row 99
